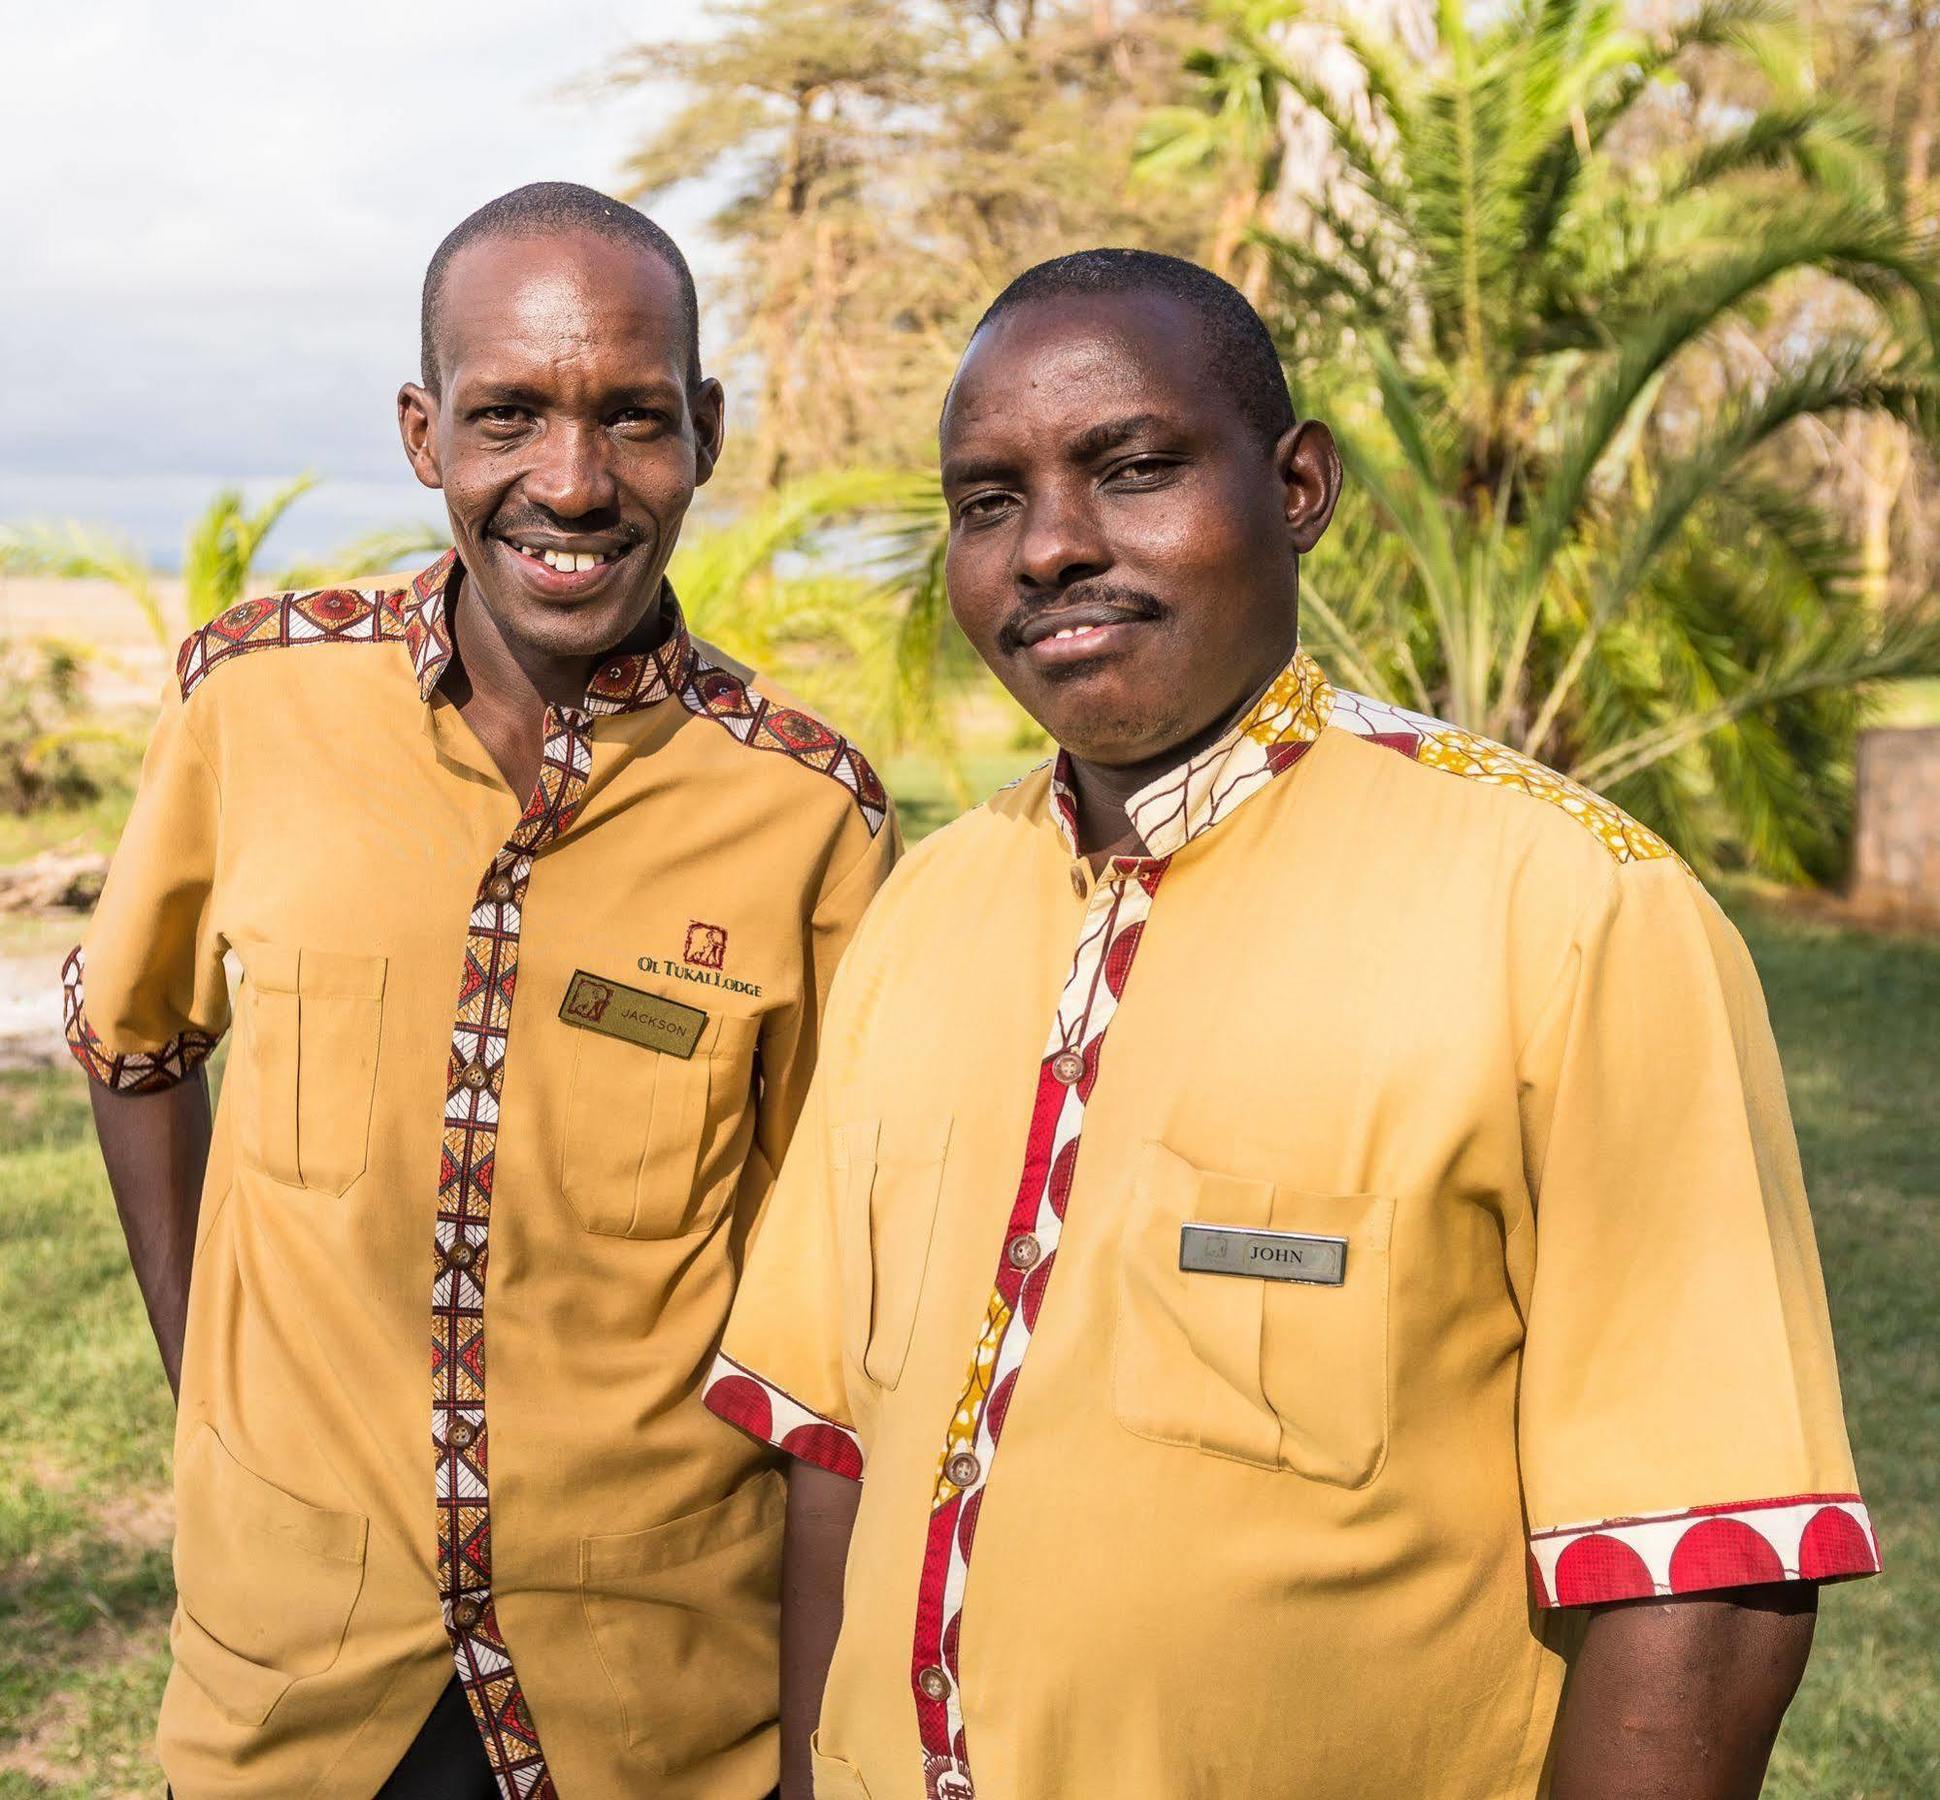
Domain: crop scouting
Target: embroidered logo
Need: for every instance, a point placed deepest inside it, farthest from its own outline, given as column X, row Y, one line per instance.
column 706, row 945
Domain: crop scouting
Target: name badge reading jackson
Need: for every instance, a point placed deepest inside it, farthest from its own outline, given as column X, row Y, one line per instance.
column 595, row 1004
column 1271, row 1255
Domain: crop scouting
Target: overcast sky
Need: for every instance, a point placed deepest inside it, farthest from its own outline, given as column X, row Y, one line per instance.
column 217, row 216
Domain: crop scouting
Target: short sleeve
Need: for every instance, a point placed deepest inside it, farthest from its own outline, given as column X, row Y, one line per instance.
column 1680, row 1421
column 145, row 996
column 779, row 1372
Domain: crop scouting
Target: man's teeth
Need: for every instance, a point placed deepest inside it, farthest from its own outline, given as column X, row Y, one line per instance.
column 1073, row 631
column 567, row 562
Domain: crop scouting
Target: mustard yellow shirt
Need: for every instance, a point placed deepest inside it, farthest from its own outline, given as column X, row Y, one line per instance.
column 506, row 1070
column 1258, row 1285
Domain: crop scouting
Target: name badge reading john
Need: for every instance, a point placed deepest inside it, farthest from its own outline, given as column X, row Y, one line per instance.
column 595, row 1004
column 1270, row 1255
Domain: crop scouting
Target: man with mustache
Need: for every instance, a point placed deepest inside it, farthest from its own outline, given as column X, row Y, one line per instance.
column 1296, row 1227
column 536, row 901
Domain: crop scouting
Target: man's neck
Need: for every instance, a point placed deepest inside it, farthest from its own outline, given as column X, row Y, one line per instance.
column 1103, row 791
column 503, row 689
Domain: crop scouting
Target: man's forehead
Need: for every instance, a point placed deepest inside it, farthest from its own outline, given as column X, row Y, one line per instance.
column 562, row 293
column 1064, row 363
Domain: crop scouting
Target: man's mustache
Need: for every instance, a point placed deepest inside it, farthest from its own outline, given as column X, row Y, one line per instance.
column 1083, row 603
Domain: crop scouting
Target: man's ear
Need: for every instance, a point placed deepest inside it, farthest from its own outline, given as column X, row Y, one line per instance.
column 417, row 424
column 1309, row 469
column 709, row 407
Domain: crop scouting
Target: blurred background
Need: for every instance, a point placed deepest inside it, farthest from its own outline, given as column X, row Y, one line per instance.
column 1626, row 315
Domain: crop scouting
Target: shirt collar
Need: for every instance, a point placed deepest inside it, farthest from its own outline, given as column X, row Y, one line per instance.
column 1184, row 802
column 623, row 683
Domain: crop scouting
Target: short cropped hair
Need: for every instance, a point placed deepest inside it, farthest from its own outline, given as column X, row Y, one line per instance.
column 538, row 210
column 1238, row 345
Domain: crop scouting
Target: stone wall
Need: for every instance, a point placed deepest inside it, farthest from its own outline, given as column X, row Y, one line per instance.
column 1896, row 834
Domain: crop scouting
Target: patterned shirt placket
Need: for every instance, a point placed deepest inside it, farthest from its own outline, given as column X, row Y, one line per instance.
column 458, row 1422
column 1108, row 940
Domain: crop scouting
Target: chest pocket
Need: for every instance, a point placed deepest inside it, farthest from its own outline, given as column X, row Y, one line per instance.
column 641, row 1125
column 888, row 1181
column 306, row 1070
column 1282, row 1374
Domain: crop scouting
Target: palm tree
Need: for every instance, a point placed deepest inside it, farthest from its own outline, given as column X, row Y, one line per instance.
column 1573, row 520
column 219, row 556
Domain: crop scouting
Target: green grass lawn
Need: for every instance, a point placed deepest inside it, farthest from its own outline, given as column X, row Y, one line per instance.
column 84, row 1416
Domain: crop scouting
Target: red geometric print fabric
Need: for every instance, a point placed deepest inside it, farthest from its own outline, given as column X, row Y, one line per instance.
column 718, row 694
column 740, row 1396
column 1804, row 1537
column 1107, row 944
column 134, row 1071
column 460, row 1431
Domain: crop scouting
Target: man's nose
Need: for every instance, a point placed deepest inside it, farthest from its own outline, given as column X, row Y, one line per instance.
column 569, row 477
column 1061, row 541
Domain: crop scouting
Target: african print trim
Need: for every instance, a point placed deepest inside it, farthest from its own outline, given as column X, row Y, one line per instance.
column 750, row 716
column 133, row 1071
column 743, row 1398
column 416, row 617
column 1804, row 1537
column 460, row 1433
column 1301, row 704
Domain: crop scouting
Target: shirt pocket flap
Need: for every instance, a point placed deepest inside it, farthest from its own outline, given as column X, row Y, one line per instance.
column 889, row 1180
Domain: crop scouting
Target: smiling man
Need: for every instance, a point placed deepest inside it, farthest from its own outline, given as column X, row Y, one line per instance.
column 1296, row 1227
column 536, row 900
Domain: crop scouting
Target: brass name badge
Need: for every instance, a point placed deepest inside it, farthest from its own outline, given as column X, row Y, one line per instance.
column 1271, row 1255
column 595, row 1004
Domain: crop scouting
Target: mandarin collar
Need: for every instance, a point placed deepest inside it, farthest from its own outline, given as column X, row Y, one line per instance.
column 621, row 684
column 1187, row 801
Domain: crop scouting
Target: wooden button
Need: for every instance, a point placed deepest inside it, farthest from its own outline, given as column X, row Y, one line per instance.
column 476, row 1077
column 1023, row 1251
column 963, row 1469
column 1067, row 1066
column 462, row 1435
column 934, row 1683
column 460, row 1256
column 466, row 1613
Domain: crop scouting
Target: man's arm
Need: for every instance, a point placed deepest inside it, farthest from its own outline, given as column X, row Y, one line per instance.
column 1682, row 1699
column 815, row 1548
column 156, row 1147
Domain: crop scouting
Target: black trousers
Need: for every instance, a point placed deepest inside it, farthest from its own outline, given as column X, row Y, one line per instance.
column 447, row 1759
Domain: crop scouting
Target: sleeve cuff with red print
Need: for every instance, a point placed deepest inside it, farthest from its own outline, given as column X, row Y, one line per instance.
column 1802, row 1537
column 776, row 1417
column 128, row 1071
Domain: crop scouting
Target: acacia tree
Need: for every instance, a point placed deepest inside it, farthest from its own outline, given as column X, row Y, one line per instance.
column 1571, row 523
column 887, row 168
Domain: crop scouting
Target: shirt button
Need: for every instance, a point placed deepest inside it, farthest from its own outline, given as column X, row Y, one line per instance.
column 1077, row 881
column 963, row 1469
column 934, row 1683
column 1023, row 1251
column 462, row 1435
column 475, row 1076
column 501, row 889
column 466, row 1613
column 460, row 1256
column 1067, row 1066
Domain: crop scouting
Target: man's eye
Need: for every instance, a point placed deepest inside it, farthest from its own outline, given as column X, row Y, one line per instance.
column 500, row 415
column 639, row 415
column 982, row 506
column 1143, row 468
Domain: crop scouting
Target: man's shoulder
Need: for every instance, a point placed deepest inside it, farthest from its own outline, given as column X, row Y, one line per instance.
column 1562, row 809
column 761, row 717
column 295, row 619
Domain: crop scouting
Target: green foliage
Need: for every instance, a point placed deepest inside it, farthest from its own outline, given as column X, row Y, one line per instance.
column 41, row 729
column 222, row 547
column 1571, row 521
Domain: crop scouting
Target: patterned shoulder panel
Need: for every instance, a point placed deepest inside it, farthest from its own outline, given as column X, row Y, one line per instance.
column 748, row 715
column 1438, row 745
column 327, row 616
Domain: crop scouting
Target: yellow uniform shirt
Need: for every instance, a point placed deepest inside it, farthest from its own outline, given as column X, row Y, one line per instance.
column 499, row 1076
column 1398, row 1235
